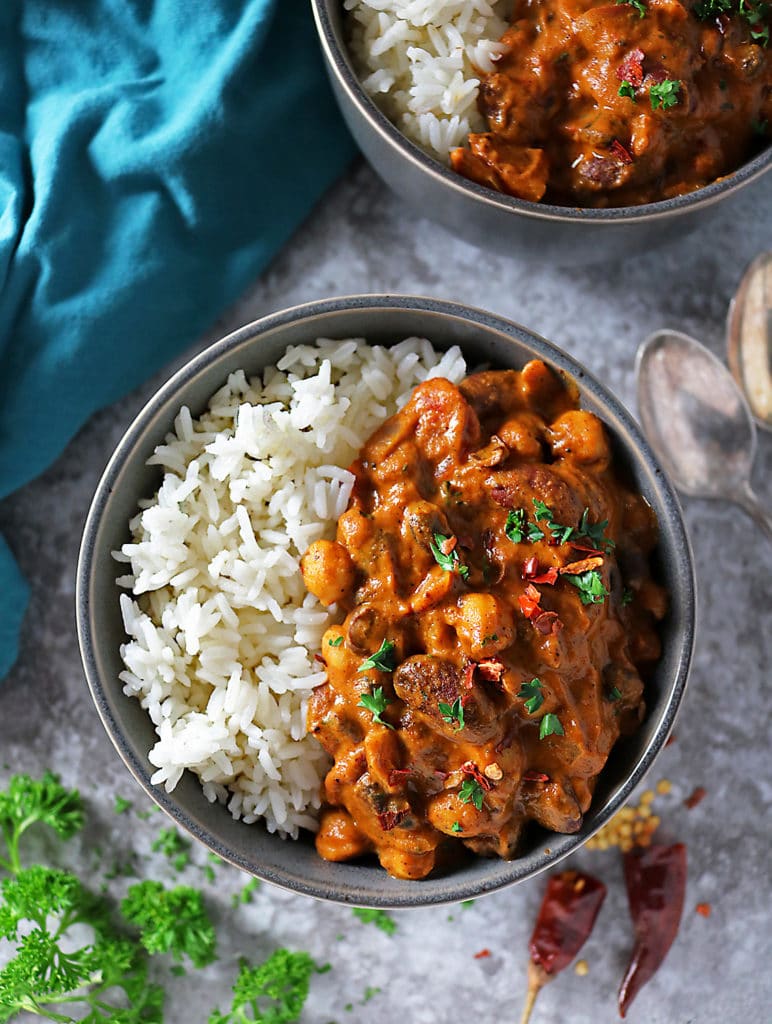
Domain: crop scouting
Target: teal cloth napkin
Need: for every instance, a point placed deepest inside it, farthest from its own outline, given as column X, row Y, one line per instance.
column 154, row 155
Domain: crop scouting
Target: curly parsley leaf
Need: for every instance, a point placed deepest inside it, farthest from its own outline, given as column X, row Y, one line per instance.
column 383, row 660
column 336, row 642
column 43, row 911
column 534, row 697
column 664, row 94
column 449, row 562
column 518, row 529
column 27, row 801
column 174, row 847
column 380, row 918
column 456, row 828
column 471, row 792
column 453, row 713
column 171, row 921
column 590, row 586
column 550, row 726
column 274, row 992
column 627, row 89
column 376, row 703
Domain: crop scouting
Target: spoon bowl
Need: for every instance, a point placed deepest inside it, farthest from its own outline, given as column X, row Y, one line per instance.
column 698, row 421
column 749, row 338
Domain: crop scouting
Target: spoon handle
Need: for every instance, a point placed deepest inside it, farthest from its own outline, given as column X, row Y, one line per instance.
column 749, row 500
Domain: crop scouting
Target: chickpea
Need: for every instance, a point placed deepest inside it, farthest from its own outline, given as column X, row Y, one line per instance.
column 579, row 436
column 339, row 838
column 448, row 814
column 354, row 529
column 484, row 625
column 523, row 435
column 403, row 864
column 328, row 571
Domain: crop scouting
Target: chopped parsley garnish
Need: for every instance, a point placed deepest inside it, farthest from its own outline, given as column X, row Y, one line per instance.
column 614, row 693
column 626, row 89
column 380, row 918
column 245, row 893
column 471, row 792
column 376, row 703
column 455, row 827
column 550, row 726
column 383, row 660
column 336, row 642
column 590, row 586
column 664, row 94
column 544, row 514
column 173, row 846
column 453, row 713
column 451, row 561
column 534, row 697
column 27, row 801
column 121, row 805
column 627, row 597
column 518, row 529
column 759, row 127
column 594, row 532
column 639, row 6
column 705, row 9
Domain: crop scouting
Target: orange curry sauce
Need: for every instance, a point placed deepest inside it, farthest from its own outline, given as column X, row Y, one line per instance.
column 571, row 107
column 470, row 688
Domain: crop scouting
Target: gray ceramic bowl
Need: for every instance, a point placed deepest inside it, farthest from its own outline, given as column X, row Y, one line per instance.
column 544, row 233
column 484, row 338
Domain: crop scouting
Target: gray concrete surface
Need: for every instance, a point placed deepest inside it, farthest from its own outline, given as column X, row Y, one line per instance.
column 362, row 238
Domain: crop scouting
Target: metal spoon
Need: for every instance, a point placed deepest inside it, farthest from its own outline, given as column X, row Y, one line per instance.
column 749, row 338
column 698, row 421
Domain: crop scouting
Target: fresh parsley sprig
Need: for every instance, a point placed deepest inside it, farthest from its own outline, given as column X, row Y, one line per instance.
column 550, row 725
column 534, row 698
column 449, row 562
column 471, row 792
column 664, row 94
column 638, row 5
column 590, row 586
column 273, row 992
column 27, row 801
column 383, row 660
column 518, row 529
column 171, row 921
column 594, row 532
column 376, row 703
column 453, row 713
column 544, row 514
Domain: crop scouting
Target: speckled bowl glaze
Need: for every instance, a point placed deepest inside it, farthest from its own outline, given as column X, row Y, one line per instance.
column 543, row 233
column 385, row 319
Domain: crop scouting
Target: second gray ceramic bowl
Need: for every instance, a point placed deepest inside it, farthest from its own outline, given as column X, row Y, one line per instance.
column 485, row 339
column 543, row 233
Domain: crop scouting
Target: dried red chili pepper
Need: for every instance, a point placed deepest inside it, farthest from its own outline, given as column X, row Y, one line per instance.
column 631, row 68
column 491, row 669
column 547, row 622
column 697, row 796
column 568, row 911
column 621, row 152
column 529, row 601
column 471, row 769
column 532, row 776
column 655, row 878
column 390, row 819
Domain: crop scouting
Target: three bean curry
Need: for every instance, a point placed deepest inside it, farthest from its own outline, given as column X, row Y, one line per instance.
column 614, row 104
column 494, row 572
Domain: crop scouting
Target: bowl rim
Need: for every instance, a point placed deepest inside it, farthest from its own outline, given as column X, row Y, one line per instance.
column 339, row 63
column 560, row 845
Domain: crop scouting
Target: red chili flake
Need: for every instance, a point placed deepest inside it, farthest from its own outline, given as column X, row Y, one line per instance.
column 390, row 819
column 398, row 776
column 671, row 739
column 470, row 768
column 631, row 68
column 441, row 774
column 697, row 795
column 529, row 602
column 584, row 565
column 467, row 680
column 491, row 669
column 503, row 496
column 448, row 545
column 704, row 909
column 620, row 152
column 550, row 576
column 547, row 623
column 465, row 541
column 320, row 659
column 530, row 776
column 585, row 548
column 482, row 954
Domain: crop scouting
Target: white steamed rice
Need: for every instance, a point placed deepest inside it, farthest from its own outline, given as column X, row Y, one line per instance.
column 222, row 632
column 420, row 61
